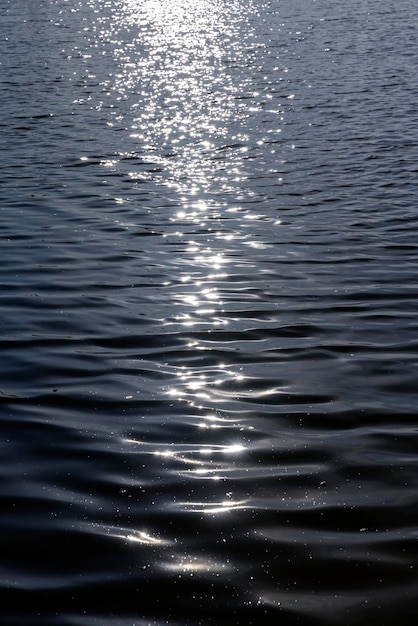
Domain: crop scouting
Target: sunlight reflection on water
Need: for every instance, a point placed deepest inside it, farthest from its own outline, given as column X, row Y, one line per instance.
column 181, row 96
column 177, row 90
column 208, row 313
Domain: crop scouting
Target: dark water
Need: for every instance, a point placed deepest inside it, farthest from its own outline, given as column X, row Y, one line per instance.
column 209, row 312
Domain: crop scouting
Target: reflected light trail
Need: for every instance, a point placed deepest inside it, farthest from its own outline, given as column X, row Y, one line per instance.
column 180, row 97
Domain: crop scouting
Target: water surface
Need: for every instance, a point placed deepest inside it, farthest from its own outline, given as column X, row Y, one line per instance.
column 208, row 312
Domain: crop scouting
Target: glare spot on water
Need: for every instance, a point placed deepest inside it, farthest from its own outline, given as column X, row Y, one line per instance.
column 133, row 536
column 143, row 537
column 215, row 508
column 191, row 564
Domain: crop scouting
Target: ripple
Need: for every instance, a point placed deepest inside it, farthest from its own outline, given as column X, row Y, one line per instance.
column 208, row 398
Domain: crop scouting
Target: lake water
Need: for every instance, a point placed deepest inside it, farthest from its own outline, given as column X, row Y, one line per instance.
column 209, row 312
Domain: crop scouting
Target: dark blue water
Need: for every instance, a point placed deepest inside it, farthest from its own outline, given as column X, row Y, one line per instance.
column 209, row 312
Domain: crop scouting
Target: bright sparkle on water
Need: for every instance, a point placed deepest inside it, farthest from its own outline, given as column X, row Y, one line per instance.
column 176, row 76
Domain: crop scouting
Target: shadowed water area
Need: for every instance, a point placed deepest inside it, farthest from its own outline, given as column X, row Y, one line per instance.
column 209, row 312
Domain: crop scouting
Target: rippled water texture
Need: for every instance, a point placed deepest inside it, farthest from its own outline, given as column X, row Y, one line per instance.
column 209, row 352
